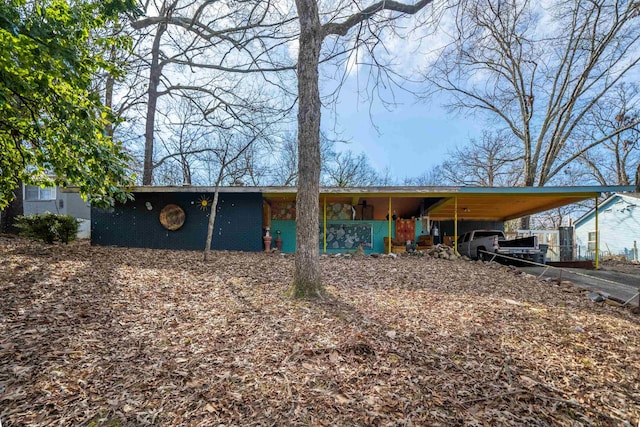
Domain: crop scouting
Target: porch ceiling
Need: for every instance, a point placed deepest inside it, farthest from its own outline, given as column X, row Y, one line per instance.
column 441, row 206
column 482, row 203
column 500, row 207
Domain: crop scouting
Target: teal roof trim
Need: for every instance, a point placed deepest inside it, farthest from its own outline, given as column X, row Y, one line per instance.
column 418, row 190
column 601, row 206
column 549, row 190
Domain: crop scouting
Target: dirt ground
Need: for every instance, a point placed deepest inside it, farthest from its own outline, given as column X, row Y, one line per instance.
column 621, row 281
column 620, row 266
column 131, row 337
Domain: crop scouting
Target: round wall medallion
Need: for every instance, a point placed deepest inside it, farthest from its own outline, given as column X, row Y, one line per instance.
column 172, row 217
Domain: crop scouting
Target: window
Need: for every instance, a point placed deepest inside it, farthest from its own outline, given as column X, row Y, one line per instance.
column 591, row 246
column 34, row 193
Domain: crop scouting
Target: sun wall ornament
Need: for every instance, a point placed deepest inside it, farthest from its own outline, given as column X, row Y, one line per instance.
column 204, row 202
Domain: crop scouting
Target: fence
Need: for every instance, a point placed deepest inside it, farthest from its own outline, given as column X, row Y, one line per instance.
column 551, row 238
column 626, row 254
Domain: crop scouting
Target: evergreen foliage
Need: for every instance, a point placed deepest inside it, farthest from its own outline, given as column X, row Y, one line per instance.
column 48, row 227
column 52, row 120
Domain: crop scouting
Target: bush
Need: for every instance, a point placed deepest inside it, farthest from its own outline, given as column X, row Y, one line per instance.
column 48, row 227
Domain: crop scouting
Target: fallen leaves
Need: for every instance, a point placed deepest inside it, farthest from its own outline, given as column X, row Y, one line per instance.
column 111, row 336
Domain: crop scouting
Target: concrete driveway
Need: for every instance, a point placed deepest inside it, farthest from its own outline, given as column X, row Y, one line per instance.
column 617, row 284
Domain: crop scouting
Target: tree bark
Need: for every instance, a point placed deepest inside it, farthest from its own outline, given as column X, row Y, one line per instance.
column 307, row 280
column 152, row 93
column 108, row 92
column 212, row 220
column 8, row 215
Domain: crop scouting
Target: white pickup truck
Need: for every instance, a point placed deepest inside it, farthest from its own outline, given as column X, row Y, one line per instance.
column 476, row 244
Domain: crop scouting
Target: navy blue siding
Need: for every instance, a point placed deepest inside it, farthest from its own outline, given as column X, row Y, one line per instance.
column 238, row 224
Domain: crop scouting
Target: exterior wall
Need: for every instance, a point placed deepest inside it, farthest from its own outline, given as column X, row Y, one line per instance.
column 238, row 224
column 287, row 230
column 32, row 207
column 64, row 203
column 619, row 228
column 74, row 205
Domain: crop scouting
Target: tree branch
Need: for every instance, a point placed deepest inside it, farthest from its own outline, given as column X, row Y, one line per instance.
column 341, row 29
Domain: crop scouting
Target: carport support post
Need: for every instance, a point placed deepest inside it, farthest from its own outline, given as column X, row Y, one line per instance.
column 597, row 238
column 455, row 225
column 389, row 233
column 324, row 226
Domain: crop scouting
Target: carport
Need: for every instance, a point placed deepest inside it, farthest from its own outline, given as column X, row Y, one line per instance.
column 457, row 204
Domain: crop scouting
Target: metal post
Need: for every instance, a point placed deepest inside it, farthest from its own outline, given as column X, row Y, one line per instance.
column 455, row 225
column 597, row 238
column 389, row 221
column 324, row 230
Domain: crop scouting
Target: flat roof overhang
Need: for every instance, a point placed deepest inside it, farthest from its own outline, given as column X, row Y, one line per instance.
column 478, row 203
column 473, row 203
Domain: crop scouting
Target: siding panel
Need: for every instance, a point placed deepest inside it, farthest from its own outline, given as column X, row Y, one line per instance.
column 238, row 223
column 619, row 226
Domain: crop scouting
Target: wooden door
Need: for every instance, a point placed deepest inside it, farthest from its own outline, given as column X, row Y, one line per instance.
column 405, row 230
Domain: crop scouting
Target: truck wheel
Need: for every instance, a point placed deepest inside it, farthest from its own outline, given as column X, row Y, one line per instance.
column 481, row 255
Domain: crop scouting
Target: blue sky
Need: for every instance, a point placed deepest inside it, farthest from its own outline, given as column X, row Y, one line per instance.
column 410, row 139
column 413, row 136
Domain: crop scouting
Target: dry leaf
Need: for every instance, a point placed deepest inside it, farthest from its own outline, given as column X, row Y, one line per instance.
column 113, row 336
column 341, row 398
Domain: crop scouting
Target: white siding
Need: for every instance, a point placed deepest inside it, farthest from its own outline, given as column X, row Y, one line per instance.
column 619, row 227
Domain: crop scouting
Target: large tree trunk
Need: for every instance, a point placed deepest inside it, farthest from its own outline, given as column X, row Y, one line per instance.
column 307, row 282
column 152, row 102
column 8, row 215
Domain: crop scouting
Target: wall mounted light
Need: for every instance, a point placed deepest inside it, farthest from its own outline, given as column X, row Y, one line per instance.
column 149, row 206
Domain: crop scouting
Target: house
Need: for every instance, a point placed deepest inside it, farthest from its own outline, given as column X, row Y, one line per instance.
column 349, row 218
column 618, row 223
column 37, row 200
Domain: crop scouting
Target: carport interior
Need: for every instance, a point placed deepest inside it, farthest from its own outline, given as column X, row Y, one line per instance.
column 483, row 203
column 478, row 207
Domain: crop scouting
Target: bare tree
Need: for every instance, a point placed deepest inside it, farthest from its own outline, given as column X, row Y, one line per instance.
column 386, row 178
column 307, row 282
column 431, row 177
column 347, row 169
column 184, row 135
column 493, row 160
column 285, row 165
column 539, row 72
column 226, row 153
column 215, row 50
column 285, row 168
column 615, row 161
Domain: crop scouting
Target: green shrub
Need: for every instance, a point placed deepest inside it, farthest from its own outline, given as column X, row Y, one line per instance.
column 48, row 227
column 67, row 228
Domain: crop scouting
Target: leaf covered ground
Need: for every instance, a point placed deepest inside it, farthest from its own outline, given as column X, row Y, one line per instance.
column 121, row 337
